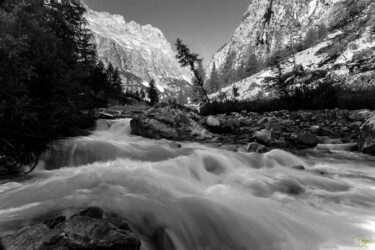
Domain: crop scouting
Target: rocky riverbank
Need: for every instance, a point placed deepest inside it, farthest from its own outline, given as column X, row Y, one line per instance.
column 250, row 132
column 254, row 132
column 89, row 229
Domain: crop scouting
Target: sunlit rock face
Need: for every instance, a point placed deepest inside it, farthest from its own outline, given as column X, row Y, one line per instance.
column 141, row 53
column 269, row 25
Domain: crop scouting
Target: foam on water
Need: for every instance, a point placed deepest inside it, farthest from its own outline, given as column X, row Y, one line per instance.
column 198, row 197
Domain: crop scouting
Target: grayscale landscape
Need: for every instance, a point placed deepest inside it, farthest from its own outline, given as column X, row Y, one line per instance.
column 187, row 125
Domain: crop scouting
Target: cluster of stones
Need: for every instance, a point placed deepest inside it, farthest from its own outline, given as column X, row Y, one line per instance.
column 297, row 129
column 90, row 229
column 261, row 132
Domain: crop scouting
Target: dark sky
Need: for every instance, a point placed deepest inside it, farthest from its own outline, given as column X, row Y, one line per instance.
column 204, row 25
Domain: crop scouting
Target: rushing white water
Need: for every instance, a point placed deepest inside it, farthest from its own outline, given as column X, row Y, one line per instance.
column 199, row 197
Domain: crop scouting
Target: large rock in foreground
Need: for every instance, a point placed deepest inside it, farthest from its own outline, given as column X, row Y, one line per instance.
column 168, row 123
column 366, row 141
column 91, row 229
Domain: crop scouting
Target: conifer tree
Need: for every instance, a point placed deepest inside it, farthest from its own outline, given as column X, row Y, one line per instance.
column 110, row 71
column 213, row 83
column 137, row 94
column 196, row 91
column 201, row 71
column 235, row 92
column 228, row 74
column 99, row 77
column 116, row 83
column 153, row 94
column 143, row 94
column 192, row 60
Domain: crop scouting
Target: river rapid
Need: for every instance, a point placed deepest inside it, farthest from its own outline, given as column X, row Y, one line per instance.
column 198, row 197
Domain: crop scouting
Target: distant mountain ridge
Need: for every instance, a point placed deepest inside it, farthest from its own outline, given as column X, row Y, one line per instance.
column 268, row 25
column 141, row 53
column 271, row 25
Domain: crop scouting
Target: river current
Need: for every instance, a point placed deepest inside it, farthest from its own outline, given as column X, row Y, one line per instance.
column 198, row 197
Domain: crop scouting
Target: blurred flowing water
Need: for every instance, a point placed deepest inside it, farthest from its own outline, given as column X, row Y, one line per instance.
column 200, row 197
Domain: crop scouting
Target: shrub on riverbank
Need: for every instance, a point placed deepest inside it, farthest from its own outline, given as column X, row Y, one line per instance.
column 326, row 96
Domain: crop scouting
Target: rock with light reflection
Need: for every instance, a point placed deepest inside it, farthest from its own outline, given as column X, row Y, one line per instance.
column 256, row 148
column 168, row 123
column 263, row 136
column 366, row 141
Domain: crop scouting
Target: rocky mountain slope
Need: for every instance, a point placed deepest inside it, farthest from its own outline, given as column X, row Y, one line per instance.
column 273, row 25
column 141, row 53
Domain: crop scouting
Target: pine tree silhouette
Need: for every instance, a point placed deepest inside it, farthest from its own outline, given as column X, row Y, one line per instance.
column 192, row 60
column 153, row 93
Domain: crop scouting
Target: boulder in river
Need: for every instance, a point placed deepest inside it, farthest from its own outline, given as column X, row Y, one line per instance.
column 366, row 141
column 263, row 136
column 90, row 229
column 152, row 128
column 212, row 122
column 307, row 140
column 256, row 148
column 168, row 123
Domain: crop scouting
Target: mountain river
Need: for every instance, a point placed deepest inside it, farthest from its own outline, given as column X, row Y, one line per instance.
column 202, row 197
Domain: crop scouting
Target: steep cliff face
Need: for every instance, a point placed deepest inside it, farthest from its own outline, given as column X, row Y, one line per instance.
column 270, row 25
column 141, row 53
